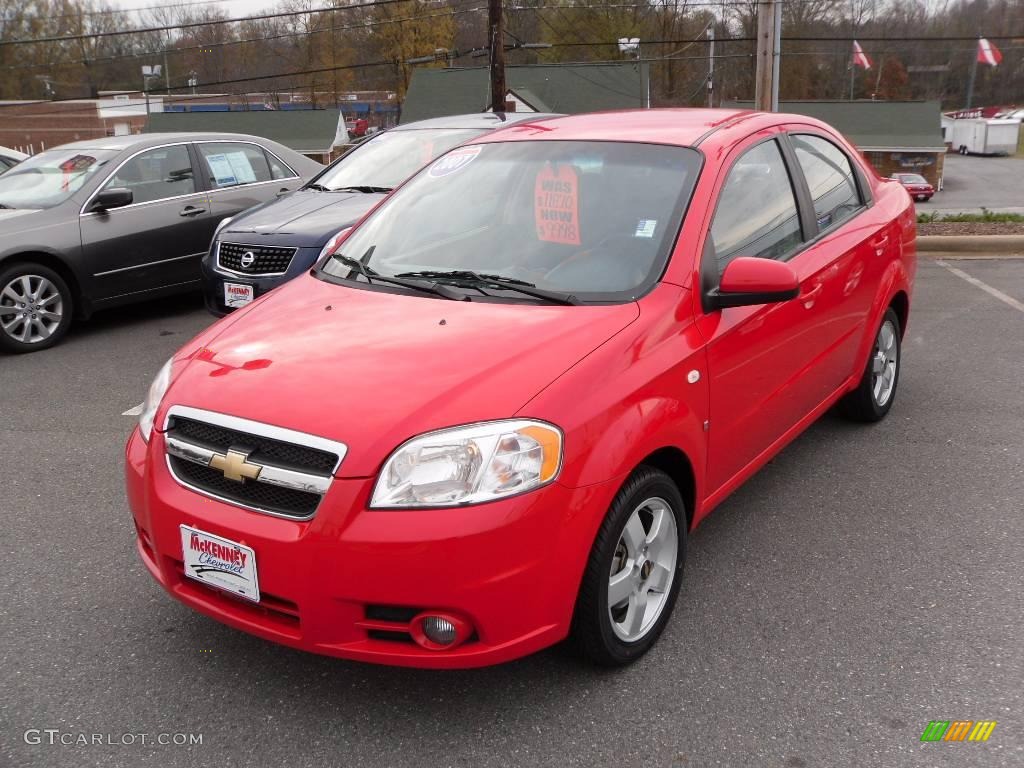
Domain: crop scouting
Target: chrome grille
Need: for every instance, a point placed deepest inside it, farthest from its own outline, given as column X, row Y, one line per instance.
column 253, row 465
column 254, row 259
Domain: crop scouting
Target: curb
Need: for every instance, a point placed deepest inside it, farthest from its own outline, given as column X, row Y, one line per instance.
column 990, row 245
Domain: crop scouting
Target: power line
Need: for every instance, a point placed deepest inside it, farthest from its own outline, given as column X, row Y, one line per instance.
column 209, row 23
column 120, row 11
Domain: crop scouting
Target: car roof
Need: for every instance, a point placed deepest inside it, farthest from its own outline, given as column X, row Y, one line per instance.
column 144, row 140
column 477, row 120
column 682, row 127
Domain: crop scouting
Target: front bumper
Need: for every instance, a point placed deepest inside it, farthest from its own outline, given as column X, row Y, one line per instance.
column 213, row 279
column 511, row 568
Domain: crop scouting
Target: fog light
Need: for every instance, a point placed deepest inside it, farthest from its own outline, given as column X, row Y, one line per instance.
column 439, row 631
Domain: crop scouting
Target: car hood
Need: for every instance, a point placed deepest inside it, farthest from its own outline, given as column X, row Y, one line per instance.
column 303, row 218
column 372, row 369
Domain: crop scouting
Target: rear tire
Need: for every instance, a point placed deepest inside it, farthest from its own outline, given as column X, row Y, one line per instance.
column 35, row 307
column 634, row 572
column 873, row 397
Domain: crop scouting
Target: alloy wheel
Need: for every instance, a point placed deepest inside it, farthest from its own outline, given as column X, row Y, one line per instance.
column 642, row 570
column 883, row 363
column 31, row 309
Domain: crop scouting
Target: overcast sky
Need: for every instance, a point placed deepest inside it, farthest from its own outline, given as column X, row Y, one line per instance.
column 232, row 7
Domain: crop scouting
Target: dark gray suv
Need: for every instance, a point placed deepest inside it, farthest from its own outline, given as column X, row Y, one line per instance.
column 104, row 222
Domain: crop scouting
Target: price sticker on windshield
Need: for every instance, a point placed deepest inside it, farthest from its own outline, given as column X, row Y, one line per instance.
column 557, row 205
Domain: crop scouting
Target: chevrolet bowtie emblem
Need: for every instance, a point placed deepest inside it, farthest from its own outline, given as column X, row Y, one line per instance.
column 235, row 466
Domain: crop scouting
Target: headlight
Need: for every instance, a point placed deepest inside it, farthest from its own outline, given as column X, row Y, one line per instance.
column 470, row 465
column 156, row 393
column 332, row 245
column 223, row 223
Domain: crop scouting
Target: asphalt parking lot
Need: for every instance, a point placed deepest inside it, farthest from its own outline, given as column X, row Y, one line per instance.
column 867, row 581
column 971, row 182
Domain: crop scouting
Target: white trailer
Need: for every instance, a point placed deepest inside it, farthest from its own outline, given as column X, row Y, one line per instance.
column 984, row 136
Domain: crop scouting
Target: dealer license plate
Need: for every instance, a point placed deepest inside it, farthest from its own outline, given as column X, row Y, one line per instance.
column 238, row 294
column 220, row 563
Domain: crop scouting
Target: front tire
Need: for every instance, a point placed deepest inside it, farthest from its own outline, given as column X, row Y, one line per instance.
column 634, row 572
column 35, row 308
column 873, row 397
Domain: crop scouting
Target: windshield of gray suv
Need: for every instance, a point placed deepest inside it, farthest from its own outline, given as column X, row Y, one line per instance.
column 588, row 220
column 51, row 177
column 385, row 161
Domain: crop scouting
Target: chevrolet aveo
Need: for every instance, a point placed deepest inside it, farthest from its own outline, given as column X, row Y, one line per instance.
column 489, row 418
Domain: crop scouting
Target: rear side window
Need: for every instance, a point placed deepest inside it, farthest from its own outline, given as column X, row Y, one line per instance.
column 830, row 179
column 233, row 164
column 278, row 170
column 756, row 213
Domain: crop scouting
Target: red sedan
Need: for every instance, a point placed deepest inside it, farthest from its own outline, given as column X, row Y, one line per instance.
column 488, row 420
column 917, row 186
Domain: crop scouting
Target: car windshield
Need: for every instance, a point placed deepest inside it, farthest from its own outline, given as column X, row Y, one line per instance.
column 913, row 178
column 51, row 177
column 385, row 161
column 593, row 220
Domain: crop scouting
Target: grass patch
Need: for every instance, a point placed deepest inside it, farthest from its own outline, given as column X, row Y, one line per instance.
column 985, row 217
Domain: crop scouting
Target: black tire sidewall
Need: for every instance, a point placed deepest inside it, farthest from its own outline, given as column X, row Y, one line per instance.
column 8, row 344
column 602, row 644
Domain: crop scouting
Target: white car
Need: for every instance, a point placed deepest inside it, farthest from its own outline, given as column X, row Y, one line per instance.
column 10, row 158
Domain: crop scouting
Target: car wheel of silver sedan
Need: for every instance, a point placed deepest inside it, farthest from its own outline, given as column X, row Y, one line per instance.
column 634, row 571
column 35, row 308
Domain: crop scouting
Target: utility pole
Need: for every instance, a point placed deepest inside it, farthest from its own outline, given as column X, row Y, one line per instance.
column 711, row 66
column 496, row 27
column 765, row 79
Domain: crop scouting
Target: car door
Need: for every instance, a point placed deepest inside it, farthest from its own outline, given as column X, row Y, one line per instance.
column 762, row 359
column 240, row 175
column 842, row 261
column 157, row 240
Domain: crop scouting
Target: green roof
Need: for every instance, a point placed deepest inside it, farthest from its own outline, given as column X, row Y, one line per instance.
column 874, row 124
column 304, row 130
column 566, row 88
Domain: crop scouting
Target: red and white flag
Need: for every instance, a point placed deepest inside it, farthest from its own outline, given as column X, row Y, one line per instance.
column 988, row 53
column 860, row 59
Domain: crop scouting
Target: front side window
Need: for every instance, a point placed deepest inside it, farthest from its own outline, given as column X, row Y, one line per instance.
column 829, row 178
column 596, row 220
column 233, row 164
column 756, row 213
column 51, row 177
column 156, row 174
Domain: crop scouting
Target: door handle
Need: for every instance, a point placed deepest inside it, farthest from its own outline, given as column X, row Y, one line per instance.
column 283, row 191
column 809, row 297
column 191, row 210
column 879, row 244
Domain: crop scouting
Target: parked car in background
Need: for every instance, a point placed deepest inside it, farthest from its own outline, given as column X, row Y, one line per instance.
column 109, row 221
column 489, row 419
column 269, row 245
column 10, row 158
column 916, row 185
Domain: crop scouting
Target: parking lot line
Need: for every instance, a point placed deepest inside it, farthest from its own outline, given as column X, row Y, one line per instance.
column 133, row 411
column 983, row 285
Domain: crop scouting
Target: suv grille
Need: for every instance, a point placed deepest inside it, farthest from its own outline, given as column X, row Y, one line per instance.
column 266, row 259
column 240, row 462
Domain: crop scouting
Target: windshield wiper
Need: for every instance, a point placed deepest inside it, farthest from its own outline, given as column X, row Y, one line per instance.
column 466, row 276
column 8, row 207
column 373, row 276
column 364, row 189
column 317, row 187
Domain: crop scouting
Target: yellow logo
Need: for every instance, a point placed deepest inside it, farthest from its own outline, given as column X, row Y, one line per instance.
column 235, row 466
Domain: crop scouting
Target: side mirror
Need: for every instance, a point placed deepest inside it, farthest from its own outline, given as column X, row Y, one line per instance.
column 112, row 197
column 747, row 281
